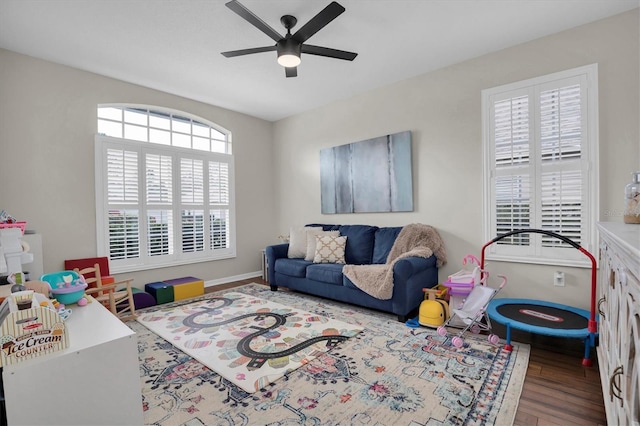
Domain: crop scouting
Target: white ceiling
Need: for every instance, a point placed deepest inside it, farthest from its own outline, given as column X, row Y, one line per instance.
column 175, row 45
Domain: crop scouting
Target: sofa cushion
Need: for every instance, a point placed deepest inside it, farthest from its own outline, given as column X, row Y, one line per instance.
column 330, row 249
column 330, row 273
column 291, row 267
column 359, row 250
column 384, row 239
column 346, row 282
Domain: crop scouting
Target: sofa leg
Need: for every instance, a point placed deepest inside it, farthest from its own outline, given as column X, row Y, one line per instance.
column 409, row 315
column 274, row 287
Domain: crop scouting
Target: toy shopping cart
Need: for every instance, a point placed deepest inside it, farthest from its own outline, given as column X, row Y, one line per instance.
column 473, row 313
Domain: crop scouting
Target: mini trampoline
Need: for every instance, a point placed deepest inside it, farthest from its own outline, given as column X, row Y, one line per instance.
column 547, row 318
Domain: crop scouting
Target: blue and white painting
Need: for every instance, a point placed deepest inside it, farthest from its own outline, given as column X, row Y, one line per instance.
column 368, row 176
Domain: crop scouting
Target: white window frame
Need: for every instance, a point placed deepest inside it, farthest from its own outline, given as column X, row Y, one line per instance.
column 142, row 149
column 535, row 252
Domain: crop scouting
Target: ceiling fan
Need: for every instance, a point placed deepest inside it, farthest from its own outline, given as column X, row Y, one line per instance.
column 290, row 47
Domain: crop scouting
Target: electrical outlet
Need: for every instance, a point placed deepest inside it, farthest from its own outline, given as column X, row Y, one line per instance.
column 558, row 279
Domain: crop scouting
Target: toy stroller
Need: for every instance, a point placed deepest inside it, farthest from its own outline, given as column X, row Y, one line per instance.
column 473, row 313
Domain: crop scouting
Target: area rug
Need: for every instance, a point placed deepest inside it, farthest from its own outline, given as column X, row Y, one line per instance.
column 389, row 374
column 248, row 340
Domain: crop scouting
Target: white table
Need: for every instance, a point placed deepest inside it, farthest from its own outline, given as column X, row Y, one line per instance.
column 95, row 381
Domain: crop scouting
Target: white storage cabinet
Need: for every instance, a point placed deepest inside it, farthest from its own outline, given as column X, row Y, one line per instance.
column 619, row 327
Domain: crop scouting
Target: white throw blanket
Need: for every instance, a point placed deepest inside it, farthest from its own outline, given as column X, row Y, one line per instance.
column 415, row 239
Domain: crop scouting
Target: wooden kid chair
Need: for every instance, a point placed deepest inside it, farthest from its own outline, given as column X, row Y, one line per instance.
column 88, row 262
column 109, row 294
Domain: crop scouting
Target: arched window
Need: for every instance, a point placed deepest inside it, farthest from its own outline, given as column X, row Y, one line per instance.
column 164, row 188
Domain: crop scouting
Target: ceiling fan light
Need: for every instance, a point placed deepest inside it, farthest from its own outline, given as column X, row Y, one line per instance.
column 289, row 60
column 288, row 52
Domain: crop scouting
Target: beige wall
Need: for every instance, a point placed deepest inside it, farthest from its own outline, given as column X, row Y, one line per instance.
column 442, row 110
column 47, row 128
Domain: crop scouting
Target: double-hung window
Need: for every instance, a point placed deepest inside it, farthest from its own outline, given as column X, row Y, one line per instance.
column 164, row 188
column 541, row 166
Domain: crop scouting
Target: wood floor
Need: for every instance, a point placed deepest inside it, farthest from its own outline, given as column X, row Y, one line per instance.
column 557, row 390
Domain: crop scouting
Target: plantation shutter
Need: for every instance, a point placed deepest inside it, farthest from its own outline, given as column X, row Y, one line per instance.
column 192, row 198
column 123, row 203
column 219, row 205
column 561, row 139
column 539, row 167
column 159, row 201
column 512, row 168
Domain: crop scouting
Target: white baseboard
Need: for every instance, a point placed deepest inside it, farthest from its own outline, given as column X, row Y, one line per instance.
column 226, row 280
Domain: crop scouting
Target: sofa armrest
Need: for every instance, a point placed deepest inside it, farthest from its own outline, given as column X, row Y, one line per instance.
column 410, row 276
column 272, row 253
column 409, row 266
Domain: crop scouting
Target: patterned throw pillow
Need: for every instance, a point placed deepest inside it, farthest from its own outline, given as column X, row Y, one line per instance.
column 330, row 249
column 311, row 241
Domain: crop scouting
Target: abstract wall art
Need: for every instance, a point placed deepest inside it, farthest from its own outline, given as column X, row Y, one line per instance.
column 369, row 176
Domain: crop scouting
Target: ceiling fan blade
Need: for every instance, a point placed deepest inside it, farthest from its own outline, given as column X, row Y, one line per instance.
column 331, row 53
column 316, row 23
column 291, row 71
column 232, row 53
column 253, row 19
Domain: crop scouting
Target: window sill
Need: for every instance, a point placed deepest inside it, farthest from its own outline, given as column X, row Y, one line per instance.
column 115, row 269
column 586, row 263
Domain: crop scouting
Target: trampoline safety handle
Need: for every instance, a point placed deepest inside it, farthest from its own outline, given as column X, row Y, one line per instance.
column 592, row 324
column 537, row 231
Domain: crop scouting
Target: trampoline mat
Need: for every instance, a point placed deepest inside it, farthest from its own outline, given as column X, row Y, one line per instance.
column 543, row 316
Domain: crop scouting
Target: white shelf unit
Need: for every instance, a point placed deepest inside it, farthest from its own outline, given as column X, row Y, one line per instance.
column 35, row 268
column 619, row 327
column 95, row 381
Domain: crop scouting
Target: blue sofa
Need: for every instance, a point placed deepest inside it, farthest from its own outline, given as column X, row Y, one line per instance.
column 365, row 245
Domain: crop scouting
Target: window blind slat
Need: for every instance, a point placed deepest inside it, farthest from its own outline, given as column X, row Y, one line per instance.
column 219, row 229
column 124, row 236
column 561, row 123
column 159, row 175
column 218, row 183
column 191, row 181
column 561, row 198
column 159, row 232
column 511, row 131
column 513, row 205
column 122, row 176
column 192, row 231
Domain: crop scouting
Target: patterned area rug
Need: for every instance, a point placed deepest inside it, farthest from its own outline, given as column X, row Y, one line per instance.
column 249, row 341
column 389, row 374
